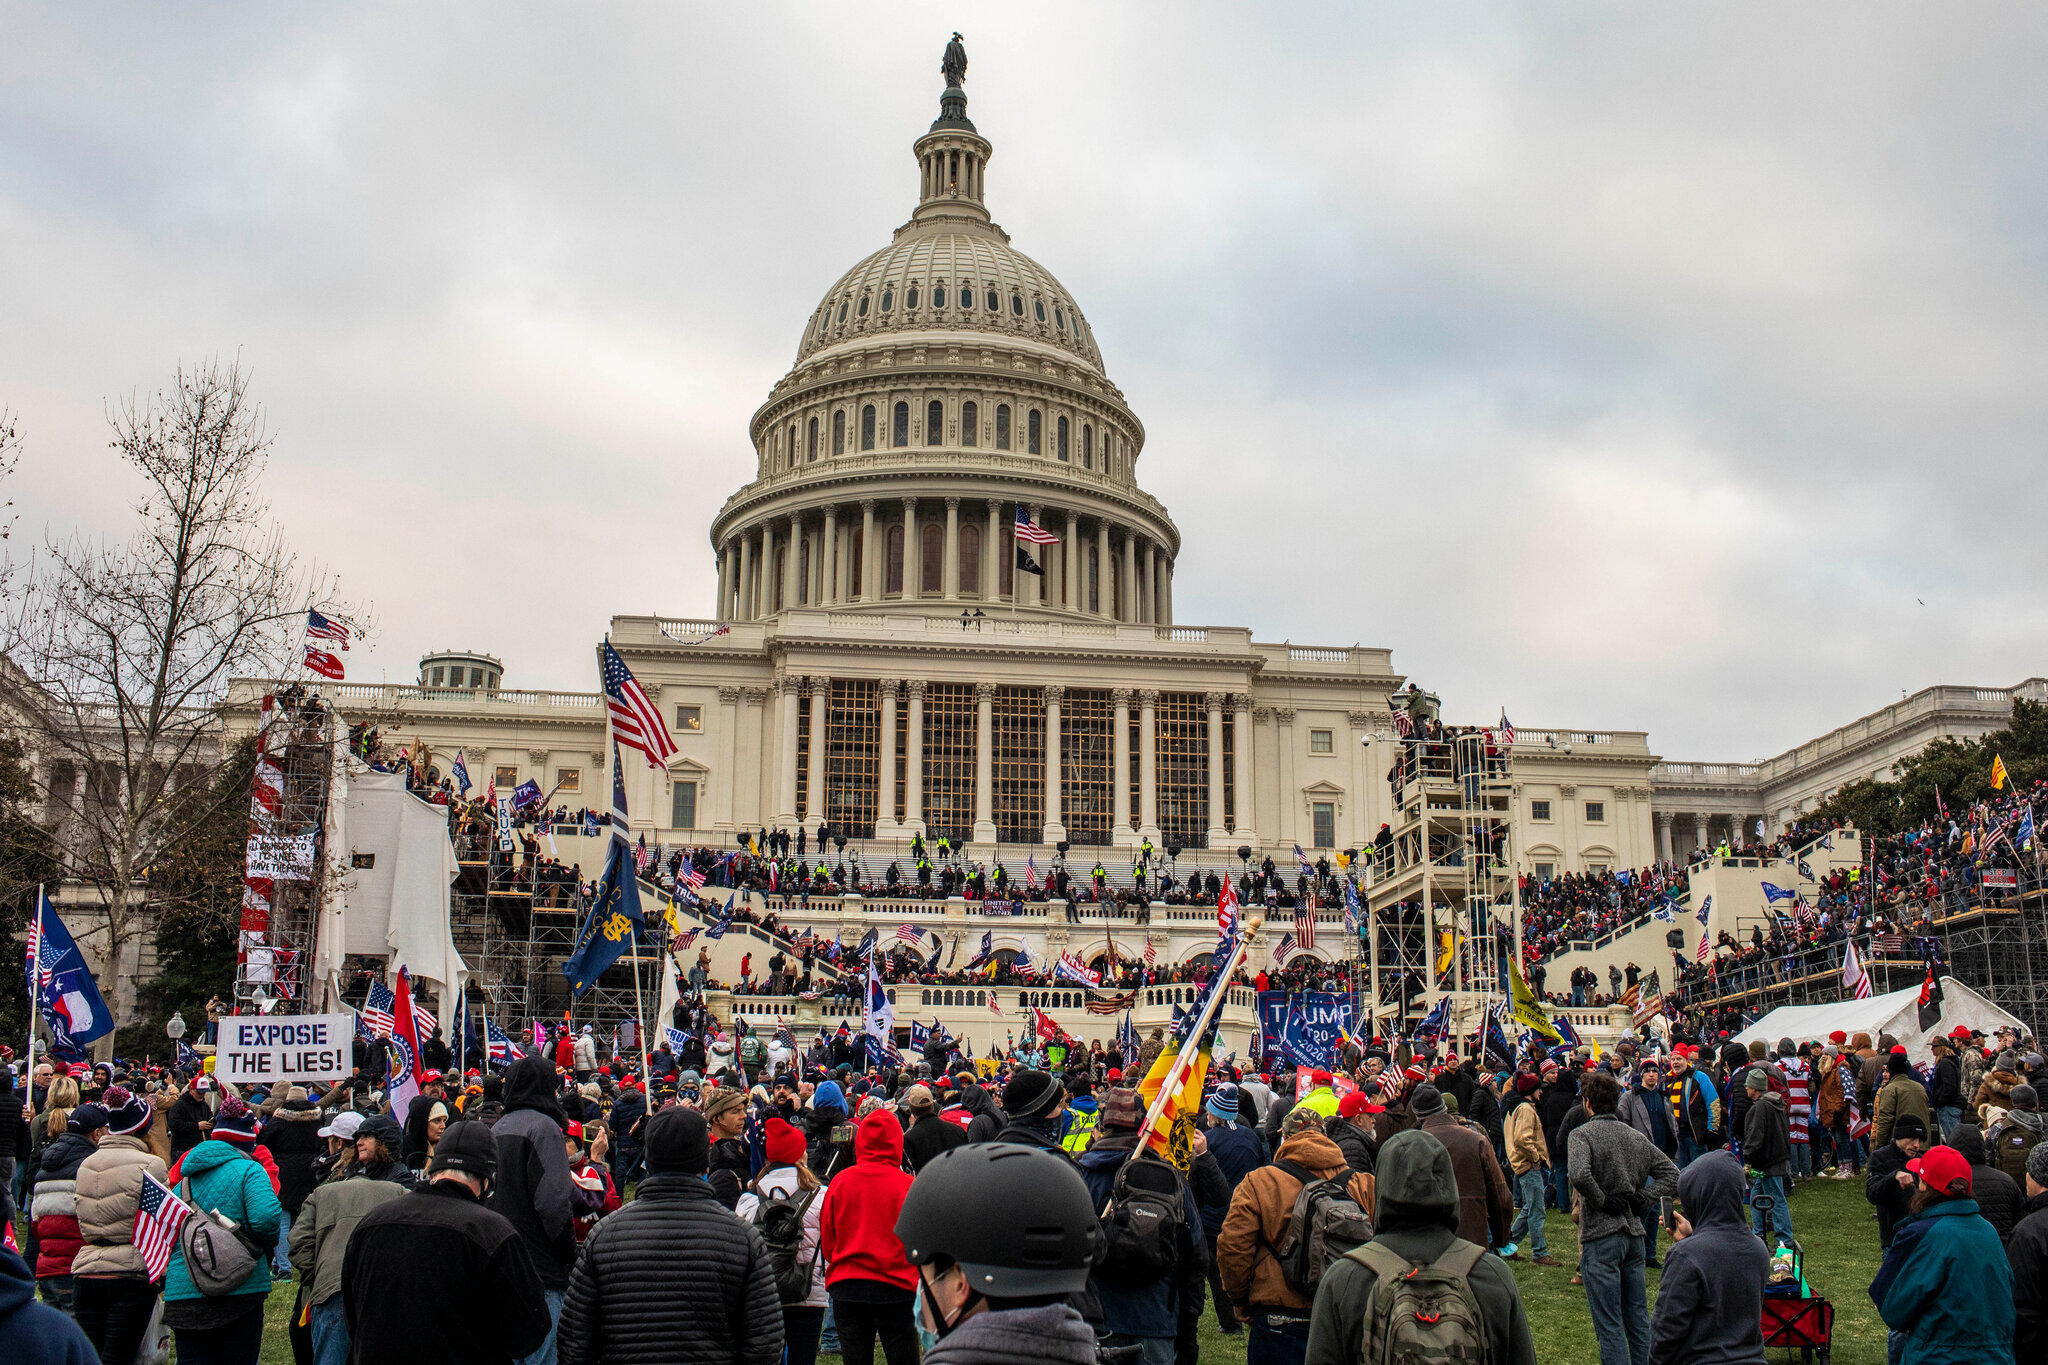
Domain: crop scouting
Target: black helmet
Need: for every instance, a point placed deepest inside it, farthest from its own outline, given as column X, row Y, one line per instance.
column 1017, row 1220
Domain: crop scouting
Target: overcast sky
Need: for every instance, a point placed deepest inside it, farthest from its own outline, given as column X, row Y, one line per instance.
column 1634, row 366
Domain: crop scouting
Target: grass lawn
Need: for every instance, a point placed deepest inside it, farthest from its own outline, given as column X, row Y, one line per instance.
column 1830, row 1217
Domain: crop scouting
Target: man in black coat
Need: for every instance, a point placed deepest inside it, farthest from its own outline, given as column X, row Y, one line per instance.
column 627, row 1305
column 1710, row 1301
column 928, row 1134
column 2027, row 1250
column 437, row 1276
column 1887, row 1183
column 1767, row 1150
column 1998, row 1195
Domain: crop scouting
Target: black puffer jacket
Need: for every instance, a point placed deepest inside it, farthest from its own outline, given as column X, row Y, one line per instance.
column 292, row 1136
column 534, row 1187
column 1999, row 1197
column 626, row 1305
column 1359, row 1150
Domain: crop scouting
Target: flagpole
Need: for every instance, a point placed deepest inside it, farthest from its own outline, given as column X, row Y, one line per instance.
column 35, row 976
column 1176, row 1073
column 639, row 1008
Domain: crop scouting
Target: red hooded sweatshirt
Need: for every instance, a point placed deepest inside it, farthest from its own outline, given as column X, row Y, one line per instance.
column 857, row 1225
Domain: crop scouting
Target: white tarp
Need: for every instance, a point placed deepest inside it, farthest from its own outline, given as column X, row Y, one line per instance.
column 396, row 904
column 1896, row 1013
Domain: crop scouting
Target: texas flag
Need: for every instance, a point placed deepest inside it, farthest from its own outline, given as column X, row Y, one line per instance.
column 64, row 989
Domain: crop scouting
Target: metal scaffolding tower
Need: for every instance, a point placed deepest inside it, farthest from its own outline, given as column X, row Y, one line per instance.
column 298, row 749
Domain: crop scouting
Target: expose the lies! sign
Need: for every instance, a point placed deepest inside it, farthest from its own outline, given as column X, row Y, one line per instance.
column 265, row 1049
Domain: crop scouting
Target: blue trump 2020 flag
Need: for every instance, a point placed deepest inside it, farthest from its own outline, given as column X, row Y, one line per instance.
column 64, row 990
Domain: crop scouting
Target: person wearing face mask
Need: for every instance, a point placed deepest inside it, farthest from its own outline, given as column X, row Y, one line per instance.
column 994, row 1289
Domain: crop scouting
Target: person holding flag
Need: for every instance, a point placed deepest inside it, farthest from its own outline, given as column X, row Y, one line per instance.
column 65, row 993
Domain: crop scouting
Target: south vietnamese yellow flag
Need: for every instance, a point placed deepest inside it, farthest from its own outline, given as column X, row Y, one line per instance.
column 1998, row 773
column 1527, row 1010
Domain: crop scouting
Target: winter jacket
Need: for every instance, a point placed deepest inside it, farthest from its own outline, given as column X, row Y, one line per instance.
column 109, row 1185
column 782, row 1180
column 1901, row 1095
column 1636, row 1111
column 1237, row 1150
column 2014, row 1139
column 1699, row 1110
column 1710, row 1303
column 438, row 1277
column 1766, row 1137
column 1359, row 1150
column 1995, row 1090
column 53, row 1203
column 325, row 1222
column 1999, row 1197
column 228, row 1181
column 1883, row 1191
column 1526, row 1148
column 183, row 1118
column 1485, row 1205
column 1150, row 1309
column 1945, row 1091
column 930, row 1136
column 533, row 1189
column 2026, row 1251
column 36, row 1333
column 586, row 1054
column 596, row 1195
column 627, row 1305
column 1553, row 1102
column 1247, row 1247
column 1052, row 1335
column 857, row 1226
column 1951, row 1292
column 1829, row 1103
column 1485, row 1111
column 1613, row 1163
column 293, row 1138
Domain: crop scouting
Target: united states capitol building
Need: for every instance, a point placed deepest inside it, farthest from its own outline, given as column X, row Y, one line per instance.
column 879, row 659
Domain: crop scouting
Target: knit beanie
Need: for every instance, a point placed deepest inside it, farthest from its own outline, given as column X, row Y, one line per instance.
column 1121, row 1108
column 127, row 1113
column 678, row 1141
column 785, row 1145
column 2024, row 1096
column 1428, row 1100
column 1030, row 1094
column 2037, row 1163
column 236, row 1121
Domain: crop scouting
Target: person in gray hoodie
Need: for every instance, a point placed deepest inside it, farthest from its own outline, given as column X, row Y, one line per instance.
column 1710, row 1301
column 534, row 1190
column 1617, row 1174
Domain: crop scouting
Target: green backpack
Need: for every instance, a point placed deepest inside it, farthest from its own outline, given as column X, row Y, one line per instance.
column 1422, row 1314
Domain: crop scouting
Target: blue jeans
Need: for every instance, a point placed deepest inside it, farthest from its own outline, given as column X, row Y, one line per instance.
column 1780, row 1213
column 281, row 1257
column 546, row 1354
column 1151, row 1350
column 330, row 1333
column 1276, row 1343
column 1650, row 1226
column 1948, row 1116
column 1561, row 1181
column 1529, row 1218
column 1612, row 1268
column 1802, row 1160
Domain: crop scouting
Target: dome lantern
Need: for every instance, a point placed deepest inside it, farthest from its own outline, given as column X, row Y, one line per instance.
column 952, row 159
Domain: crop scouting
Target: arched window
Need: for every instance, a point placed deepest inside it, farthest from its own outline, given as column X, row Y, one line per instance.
column 900, row 428
column 839, row 432
column 938, row 296
column 931, row 554
column 853, row 578
column 1059, row 319
column 894, row 577
column 811, row 441
column 803, row 571
column 1017, row 305
column 1087, row 446
column 781, row 563
column 970, row 424
column 934, row 422
column 1061, row 428
column 995, row 305
column 867, row 427
column 791, row 447
column 1002, row 426
column 842, row 310
column 1038, row 306
column 910, row 298
column 861, row 310
column 970, row 559
column 888, row 299
column 1032, row 433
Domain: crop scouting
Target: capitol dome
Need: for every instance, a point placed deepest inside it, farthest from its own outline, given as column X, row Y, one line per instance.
column 946, row 388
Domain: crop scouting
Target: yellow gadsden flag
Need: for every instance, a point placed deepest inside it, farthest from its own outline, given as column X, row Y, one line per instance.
column 1998, row 773
column 1526, row 1008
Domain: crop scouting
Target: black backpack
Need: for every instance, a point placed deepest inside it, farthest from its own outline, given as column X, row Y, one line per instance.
column 1143, row 1223
column 1326, row 1224
column 780, row 1220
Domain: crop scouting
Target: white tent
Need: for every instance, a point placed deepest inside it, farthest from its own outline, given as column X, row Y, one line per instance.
column 394, row 866
column 1896, row 1013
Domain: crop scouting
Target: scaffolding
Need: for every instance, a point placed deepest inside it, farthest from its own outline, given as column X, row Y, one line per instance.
column 1441, row 912
column 297, row 751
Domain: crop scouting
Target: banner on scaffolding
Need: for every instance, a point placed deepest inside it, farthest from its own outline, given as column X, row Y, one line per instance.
column 1306, row 1026
column 281, row 857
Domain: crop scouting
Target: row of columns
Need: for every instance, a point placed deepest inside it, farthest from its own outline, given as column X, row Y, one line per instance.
column 1738, row 828
column 793, row 690
column 746, row 566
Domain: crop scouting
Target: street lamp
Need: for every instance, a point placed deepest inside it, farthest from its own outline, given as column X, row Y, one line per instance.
column 175, row 1029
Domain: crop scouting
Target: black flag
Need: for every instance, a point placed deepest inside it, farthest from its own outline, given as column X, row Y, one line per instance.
column 1930, row 1000
column 1026, row 564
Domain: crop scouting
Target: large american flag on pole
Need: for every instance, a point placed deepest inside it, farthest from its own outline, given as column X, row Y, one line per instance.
column 377, row 1007
column 1031, row 532
column 636, row 722
column 1305, row 927
column 159, row 1216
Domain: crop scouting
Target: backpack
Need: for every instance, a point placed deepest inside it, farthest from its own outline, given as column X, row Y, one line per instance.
column 1422, row 1314
column 780, row 1220
column 2011, row 1146
column 217, row 1256
column 1143, row 1222
column 1326, row 1223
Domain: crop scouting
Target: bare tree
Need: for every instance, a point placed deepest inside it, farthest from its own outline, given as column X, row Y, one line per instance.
column 117, row 654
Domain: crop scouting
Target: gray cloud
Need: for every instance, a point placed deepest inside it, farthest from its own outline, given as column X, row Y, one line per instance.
column 1634, row 366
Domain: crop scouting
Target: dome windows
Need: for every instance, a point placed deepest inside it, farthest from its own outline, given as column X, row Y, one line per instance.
column 861, row 310
column 931, row 558
column 938, row 296
column 995, row 304
column 1060, row 430
column 970, row 559
column 1017, row 305
column 934, row 422
column 1002, row 426
column 839, row 432
column 899, row 428
column 867, row 427
column 842, row 311
column 1059, row 319
column 1038, row 306
column 970, row 424
column 1087, row 446
column 892, row 578
column 910, row 298
column 1033, row 430
column 811, row 442
column 888, row 299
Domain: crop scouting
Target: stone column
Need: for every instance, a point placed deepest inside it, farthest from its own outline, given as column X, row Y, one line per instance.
column 745, row 610
column 1130, row 602
column 724, row 582
column 1290, row 794
column 949, row 568
column 729, row 758
column 885, row 769
column 1105, row 570
column 1120, row 760
column 814, row 786
column 991, row 554
column 1076, row 590
column 764, row 573
column 792, row 560
column 1700, row 832
column 1038, row 597
column 1663, row 821
column 1217, row 834
column 1263, row 815
column 869, row 558
column 1054, row 830
column 984, row 763
column 913, row 765
column 831, row 557
column 785, row 759
column 1241, row 767
column 1568, row 828
column 1148, row 759
column 913, row 576
column 1166, row 588
column 1148, row 600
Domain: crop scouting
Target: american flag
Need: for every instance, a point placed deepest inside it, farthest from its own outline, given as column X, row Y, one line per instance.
column 1305, row 927
column 995, row 1006
column 1506, row 730
column 685, row 940
column 159, row 1216
column 1151, row 952
column 1284, row 949
column 502, row 1048
column 1112, row 1004
column 785, row 1035
column 1226, row 915
column 320, row 627
column 1706, row 948
column 377, row 1007
column 1031, row 531
column 636, row 723
column 692, row 878
column 911, row 934
column 1404, row 725
column 1888, row 945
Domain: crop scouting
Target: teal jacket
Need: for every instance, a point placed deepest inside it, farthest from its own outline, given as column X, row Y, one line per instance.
column 1951, row 1293
column 228, row 1181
